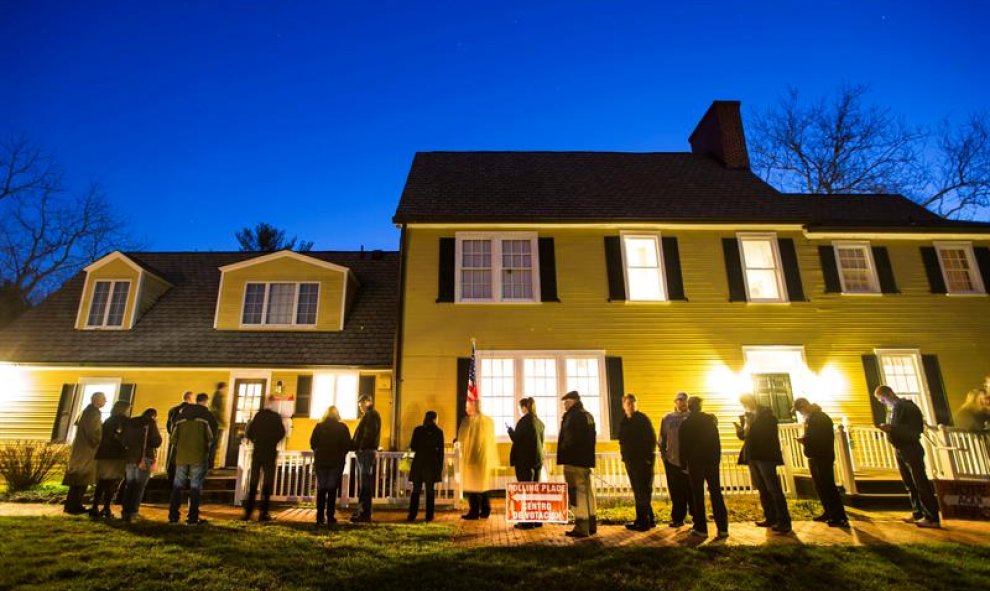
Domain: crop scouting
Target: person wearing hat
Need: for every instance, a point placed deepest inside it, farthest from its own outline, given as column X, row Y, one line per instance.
column 638, row 444
column 673, row 466
column 576, row 453
column 819, row 447
column 367, row 438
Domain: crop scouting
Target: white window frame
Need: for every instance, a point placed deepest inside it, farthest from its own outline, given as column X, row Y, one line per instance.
column 106, row 312
column 496, row 239
column 295, row 305
column 927, row 407
column 779, row 267
column 974, row 269
column 661, row 268
column 84, row 401
column 561, row 358
column 870, row 265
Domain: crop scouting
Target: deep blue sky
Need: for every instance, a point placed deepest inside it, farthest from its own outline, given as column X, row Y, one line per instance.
column 202, row 117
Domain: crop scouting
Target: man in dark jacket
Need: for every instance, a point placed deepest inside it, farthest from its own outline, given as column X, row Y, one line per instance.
column 427, row 464
column 142, row 440
column 367, row 438
column 761, row 452
column 673, row 467
column 701, row 453
column 904, row 431
column 330, row 441
column 173, row 415
column 637, row 442
column 265, row 431
column 576, row 453
column 819, row 447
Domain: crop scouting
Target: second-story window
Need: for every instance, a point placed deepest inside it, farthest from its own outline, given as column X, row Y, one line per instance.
column 762, row 268
column 109, row 304
column 644, row 273
column 280, row 304
column 959, row 268
column 497, row 267
column 857, row 272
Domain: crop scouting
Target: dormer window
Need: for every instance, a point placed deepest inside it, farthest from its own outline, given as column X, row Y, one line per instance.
column 108, row 305
column 280, row 304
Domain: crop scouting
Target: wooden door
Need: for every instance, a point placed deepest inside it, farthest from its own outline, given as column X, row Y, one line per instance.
column 249, row 395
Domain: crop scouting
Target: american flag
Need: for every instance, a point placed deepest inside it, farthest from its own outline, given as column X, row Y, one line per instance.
column 472, row 385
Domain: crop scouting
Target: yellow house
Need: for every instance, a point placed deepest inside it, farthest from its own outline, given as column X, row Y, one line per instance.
column 312, row 329
column 655, row 273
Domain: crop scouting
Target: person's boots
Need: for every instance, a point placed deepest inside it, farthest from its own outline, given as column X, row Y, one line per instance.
column 265, row 502
column 94, row 511
column 637, row 525
column 592, row 525
column 193, row 517
column 581, row 529
column 486, row 506
column 248, row 507
column 321, row 505
column 473, row 507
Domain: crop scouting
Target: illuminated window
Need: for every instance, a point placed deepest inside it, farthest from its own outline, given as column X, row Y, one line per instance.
column 540, row 384
column 959, row 268
column 857, row 272
column 497, row 267
column 901, row 370
column 338, row 389
column 761, row 268
column 109, row 304
column 644, row 273
column 280, row 304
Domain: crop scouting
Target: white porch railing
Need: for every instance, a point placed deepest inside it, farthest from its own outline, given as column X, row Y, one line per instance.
column 870, row 450
column 959, row 454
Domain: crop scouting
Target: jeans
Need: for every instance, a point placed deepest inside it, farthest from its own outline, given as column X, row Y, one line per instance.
column 135, row 480
column 328, row 479
column 263, row 463
column 581, row 494
column 194, row 475
column 772, row 499
column 823, row 475
column 911, row 463
column 680, row 491
column 699, row 475
column 366, row 479
column 641, row 480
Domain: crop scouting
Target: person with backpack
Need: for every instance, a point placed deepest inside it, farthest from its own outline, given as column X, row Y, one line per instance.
column 141, row 440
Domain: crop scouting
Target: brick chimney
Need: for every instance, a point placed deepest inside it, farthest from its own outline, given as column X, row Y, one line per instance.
column 720, row 134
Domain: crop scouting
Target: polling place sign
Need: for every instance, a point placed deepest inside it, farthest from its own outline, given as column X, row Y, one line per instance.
column 544, row 502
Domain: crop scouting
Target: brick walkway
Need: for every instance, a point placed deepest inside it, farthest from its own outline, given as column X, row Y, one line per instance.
column 867, row 528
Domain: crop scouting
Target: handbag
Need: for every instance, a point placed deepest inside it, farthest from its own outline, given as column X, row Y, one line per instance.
column 405, row 464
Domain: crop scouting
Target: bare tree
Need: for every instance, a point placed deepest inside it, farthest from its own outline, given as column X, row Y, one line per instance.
column 47, row 232
column 844, row 145
column 267, row 238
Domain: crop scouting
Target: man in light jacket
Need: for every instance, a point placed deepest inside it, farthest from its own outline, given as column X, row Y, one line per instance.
column 673, row 465
column 81, row 471
column 192, row 437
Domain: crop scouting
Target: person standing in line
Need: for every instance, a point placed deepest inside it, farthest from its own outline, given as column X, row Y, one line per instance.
column 367, row 438
column 637, row 442
column 81, row 470
column 761, row 452
column 427, row 464
column 142, row 440
column 673, row 467
column 526, row 453
column 576, row 453
column 701, row 453
column 479, row 459
column 265, row 431
column 819, row 448
column 110, row 459
column 218, row 408
column 330, row 442
column 192, row 437
column 173, row 415
column 904, row 431
column 972, row 415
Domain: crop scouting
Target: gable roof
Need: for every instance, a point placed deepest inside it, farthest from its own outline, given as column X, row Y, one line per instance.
column 120, row 256
column 281, row 254
column 562, row 187
column 178, row 329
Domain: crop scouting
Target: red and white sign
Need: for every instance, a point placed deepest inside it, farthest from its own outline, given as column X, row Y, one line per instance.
column 543, row 502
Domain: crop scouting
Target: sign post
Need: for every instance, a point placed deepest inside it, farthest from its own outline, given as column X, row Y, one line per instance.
column 536, row 502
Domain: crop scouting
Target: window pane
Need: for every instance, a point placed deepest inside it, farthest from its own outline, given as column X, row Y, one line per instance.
column 583, row 376
column 118, row 303
column 758, row 254
column 762, row 284
column 643, row 268
column 347, row 396
column 958, row 274
column 476, row 284
column 854, row 265
column 254, row 299
column 641, row 252
column 496, row 388
column 476, row 254
column 540, row 383
column 306, row 311
column 101, row 294
column 517, row 270
column 281, row 297
column 644, row 284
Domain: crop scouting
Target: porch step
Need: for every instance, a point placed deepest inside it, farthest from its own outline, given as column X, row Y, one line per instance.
column 218, row 487
column 899, row 502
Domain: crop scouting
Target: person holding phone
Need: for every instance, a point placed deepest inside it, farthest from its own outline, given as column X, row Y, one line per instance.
column 526, row 454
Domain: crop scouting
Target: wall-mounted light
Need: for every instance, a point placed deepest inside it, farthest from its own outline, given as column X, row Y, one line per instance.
column 278, row 387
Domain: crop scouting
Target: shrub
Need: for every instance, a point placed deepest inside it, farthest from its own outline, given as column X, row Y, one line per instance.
column 26, row 464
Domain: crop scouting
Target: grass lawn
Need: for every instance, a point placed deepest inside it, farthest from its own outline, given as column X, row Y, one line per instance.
column 60, row 553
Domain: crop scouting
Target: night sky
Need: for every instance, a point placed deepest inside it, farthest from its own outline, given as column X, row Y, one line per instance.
column 203, row 117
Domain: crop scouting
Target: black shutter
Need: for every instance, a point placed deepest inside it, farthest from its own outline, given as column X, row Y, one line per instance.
column 885, row 271
column 933, row 269
column 871, row 367
column 672, row 269
column 366, row 387
column 463, row 367
column 830, row 269
column 445, row 270
column 548, row 271
column 733, row 270
column 127, row 395
column 792, row 273
column 67, row 402
column 304, row 396
column 936, row 387
column 613, row 265
column 982, row 254
column 616, row 390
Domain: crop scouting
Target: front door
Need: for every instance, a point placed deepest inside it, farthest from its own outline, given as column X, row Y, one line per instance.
column 248, row 397
column 773, row 390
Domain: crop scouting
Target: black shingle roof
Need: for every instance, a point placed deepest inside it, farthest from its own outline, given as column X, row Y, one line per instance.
column 178, row 329
column 532, row 187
